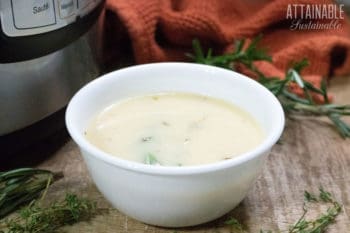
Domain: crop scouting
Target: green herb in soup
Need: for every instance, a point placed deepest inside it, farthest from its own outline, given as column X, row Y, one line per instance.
column 151, row 159
column 174, row 129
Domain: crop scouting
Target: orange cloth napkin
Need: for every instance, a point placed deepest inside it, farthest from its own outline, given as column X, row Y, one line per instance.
column 163, row 30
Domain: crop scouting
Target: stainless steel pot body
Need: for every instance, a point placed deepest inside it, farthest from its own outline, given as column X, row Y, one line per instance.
column 32, row 88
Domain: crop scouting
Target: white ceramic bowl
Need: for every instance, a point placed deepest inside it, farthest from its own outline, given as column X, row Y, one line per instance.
column 174, row 196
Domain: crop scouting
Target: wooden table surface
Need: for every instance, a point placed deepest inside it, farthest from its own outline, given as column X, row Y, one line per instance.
column 311, row 154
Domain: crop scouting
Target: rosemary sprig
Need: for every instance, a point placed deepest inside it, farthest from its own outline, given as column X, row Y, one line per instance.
column 228, row 61
column 303, row 225
column 35, row 218
column 21, row 186
column 279, row 86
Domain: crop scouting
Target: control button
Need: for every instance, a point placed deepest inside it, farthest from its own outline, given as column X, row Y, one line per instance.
column 66, row 8
column 32, row 14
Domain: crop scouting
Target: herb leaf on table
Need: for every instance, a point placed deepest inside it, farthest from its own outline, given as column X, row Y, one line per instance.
column 20, row 186
column 279, row 86
column 36, row 218
column 304, row 225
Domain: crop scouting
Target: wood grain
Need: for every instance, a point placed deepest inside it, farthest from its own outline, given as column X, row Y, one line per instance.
column 311, row 154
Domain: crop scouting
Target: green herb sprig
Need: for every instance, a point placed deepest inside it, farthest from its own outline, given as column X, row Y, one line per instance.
column 151, row 159
column 280, row 87
column 21, row 186
column 303, row 225
column 321, row 223
column 36, row 218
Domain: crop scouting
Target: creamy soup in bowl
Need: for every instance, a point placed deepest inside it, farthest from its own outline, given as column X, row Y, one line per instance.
column 174, row 129
column 187, row 113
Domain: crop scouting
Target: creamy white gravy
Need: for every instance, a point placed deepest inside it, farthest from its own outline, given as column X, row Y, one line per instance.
column 174, row 129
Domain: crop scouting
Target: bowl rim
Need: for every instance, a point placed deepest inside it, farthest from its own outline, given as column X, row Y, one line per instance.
column 92, row 150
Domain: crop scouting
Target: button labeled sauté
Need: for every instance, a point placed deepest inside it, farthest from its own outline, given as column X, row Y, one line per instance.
column 33, row 13
column 38, row 9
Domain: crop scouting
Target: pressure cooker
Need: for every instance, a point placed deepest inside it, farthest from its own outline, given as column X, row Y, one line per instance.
column 48, row 50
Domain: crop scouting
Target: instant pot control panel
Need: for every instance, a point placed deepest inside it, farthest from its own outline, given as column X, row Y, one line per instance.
column 30, row 17
column 47, row 25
